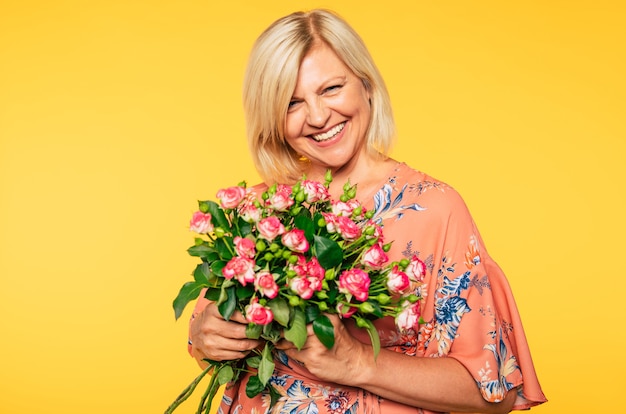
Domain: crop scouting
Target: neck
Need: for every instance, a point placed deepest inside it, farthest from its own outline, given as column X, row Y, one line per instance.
column 367, row 174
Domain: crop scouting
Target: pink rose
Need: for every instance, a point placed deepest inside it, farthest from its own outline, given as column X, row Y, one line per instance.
column 300, row 267
column 301, row 286
column 355, row 282
column 315, row 270
column 265, row 283
column 270, row 227
column 201, row 223
column 331, row 222
column 240, row 267
column 244, row 247
column 314, row 191
column 397, row 281
column 250, row 213
column 346, row 209
column 294, row 240
column 231, row 197
column 345, row 311
column 281, row 200
column 348, row 228
column 408, row 318
column 416, row 270
column 259, row 314
column 314, row 283
column 339, row 208
column 374, row 257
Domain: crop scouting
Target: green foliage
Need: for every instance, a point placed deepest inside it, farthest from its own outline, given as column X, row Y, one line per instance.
column 225, row 374
column 374, row 338
column 327, row 251
column 228, row 306
column 281, row 310
column 266, row 367
column 324, row 330
column 254, row 387
column 190, row 291
column 300, row 290
column 296, row 333
column 218, row 216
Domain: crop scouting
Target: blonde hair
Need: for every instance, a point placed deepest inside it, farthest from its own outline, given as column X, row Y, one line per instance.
column 270, row 80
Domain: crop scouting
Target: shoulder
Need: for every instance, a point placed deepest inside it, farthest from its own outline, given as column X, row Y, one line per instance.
column 431, row 193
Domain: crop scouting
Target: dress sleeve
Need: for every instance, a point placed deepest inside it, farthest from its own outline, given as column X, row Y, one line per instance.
column 469, row 310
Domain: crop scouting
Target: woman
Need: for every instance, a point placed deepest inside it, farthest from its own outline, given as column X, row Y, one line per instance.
column 315, row 101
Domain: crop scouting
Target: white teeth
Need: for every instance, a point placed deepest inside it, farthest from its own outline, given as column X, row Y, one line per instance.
column 329, row 134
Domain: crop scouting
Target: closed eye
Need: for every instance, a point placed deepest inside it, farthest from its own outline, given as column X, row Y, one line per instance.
column 292, row 104
column 332, row 88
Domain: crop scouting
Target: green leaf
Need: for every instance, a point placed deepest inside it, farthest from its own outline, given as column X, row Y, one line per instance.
column 217, row 266
column 213, row 294
column 327, row 251
column 253, row 361
column 266, row 367
column 280, row 309
column 228, row 306
column 253, row 331
column 200, row 251
column 188, row 292
column 201, row 273
column 373, row 333
column 245, row 292
column 378, row 312
column 312, row 312
column 272, row 332
column 245, row 228
column 274, row 396
column 296, row 333
column 218, row 218
column 324, row 330
column 304, row 223
column 223, row 248
column 225, row 374
column 254, row 387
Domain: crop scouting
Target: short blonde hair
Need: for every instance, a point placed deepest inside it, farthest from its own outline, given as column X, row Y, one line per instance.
column 271, row 77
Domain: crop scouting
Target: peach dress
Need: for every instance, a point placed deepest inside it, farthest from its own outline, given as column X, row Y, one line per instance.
column 467, row 305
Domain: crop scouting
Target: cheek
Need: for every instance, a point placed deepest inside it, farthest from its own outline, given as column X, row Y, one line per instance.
column 293, row 126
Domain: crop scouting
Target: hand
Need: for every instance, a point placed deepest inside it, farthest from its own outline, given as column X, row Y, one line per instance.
column 214, row 338
column 340, row 364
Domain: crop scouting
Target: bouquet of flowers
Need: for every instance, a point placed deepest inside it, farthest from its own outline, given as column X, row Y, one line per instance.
column 285, row 259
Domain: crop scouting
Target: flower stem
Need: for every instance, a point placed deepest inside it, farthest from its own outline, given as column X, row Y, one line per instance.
column 187, row 391
column 208, row 395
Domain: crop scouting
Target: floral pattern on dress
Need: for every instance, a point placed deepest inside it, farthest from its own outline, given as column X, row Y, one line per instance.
column 385, row 207
column 450, row 306
column 307, row 398
column 495, row 388
column 426, row 218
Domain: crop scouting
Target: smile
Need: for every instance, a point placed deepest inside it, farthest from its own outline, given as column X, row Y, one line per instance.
column 329, row 134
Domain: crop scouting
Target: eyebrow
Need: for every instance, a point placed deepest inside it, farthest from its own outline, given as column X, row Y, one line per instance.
column 343, row 79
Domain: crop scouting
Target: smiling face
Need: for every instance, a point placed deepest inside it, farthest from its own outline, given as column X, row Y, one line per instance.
column 329, row 113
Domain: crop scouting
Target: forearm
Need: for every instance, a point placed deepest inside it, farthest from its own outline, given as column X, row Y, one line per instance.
column 438, row 384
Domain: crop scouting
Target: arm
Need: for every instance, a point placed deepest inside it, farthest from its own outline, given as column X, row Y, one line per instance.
column 439, row 384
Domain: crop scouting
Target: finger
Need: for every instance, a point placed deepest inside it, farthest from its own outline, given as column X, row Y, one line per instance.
column 211, row 322
column 221, row 348
column 237, row 316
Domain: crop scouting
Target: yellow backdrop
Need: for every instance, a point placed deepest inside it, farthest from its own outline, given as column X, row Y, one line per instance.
column 115, row 116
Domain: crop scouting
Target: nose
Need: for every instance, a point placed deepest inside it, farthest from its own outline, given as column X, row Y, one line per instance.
column 318, row 113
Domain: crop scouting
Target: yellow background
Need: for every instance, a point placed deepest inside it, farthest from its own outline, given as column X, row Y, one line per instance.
column 115, row 116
